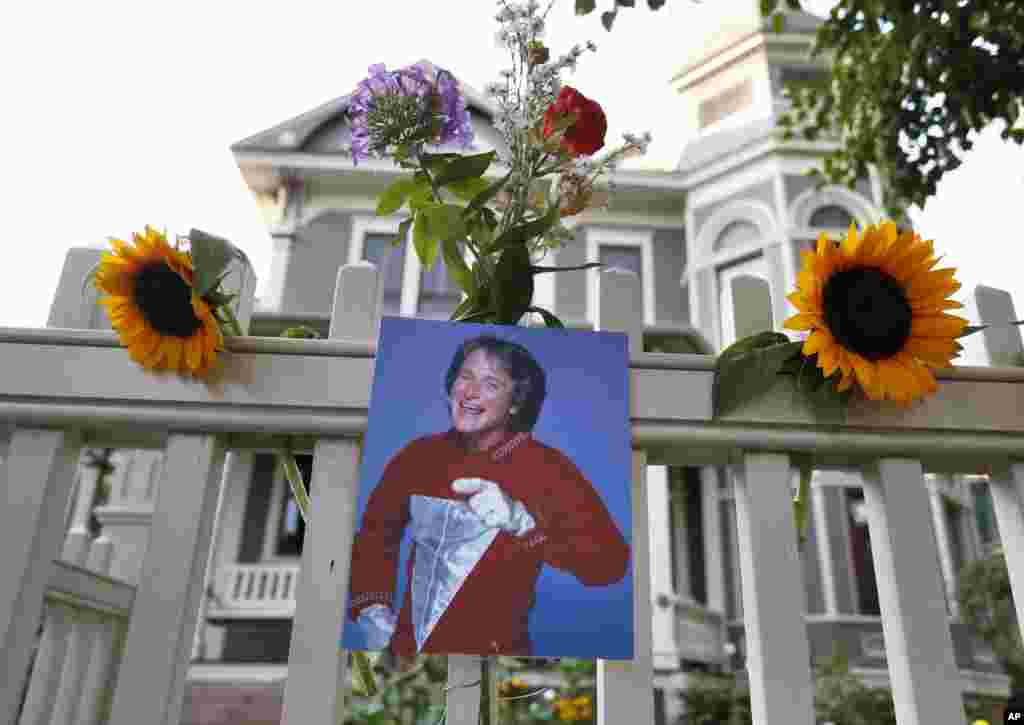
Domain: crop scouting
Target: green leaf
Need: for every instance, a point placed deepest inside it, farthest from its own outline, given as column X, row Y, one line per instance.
column 801, row 502
column 549, row 319
column 392, row 198
column 585, row 7
column 971, row 329
column 482, row 233
column 90, row 276
column 469, row 189
column 513, row 285
column 464, row 307
column 365, row 673
column 465, row 167
column 445, row 221
column 456, row 264
column 529, row 230
column 749, row 368
column 489, row 193
column 778, row 23
column 403, row 232
column 607, row 19
column 424, row 242
column 210, row 257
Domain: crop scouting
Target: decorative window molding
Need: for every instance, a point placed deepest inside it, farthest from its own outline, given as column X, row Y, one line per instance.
column 755, row 268
column 612, row 237
column 741, row 210
column 805, row 204
column 726, row 103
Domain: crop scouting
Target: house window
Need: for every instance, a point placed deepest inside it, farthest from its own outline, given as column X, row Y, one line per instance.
column 745, row 300
column 831, row 216
column 623, row 258
column 440, row 294
column 860, row 554
column 390, row 261
column 291, row 529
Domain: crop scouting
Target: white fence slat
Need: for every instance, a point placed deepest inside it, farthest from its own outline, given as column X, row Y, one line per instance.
column 1007, row 487
column 314, row 692
column 49, row 663
column 76, row 660
column 625, row 690
column 462, row 701
column 774, row 604
column 316, row 663
column 99, row 674
column 39, row 473
column 151, row 680
column 919, row 647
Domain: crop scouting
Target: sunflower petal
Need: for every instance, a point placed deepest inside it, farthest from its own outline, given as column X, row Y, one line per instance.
column 937, row 326
column 802, row 321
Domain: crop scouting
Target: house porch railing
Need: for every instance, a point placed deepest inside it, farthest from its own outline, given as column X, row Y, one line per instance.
column 64, row 389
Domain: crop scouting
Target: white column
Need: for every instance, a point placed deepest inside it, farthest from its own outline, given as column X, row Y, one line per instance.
column 714, row 544
column 774, row 604
column 919, row 647
column 942, row 540
column 102, row 636
column 625, row 687
column 825, row 554
column 317, row 666
column 76, row 662
column 1007, row 486
column 151, row 682
column 659, row 512
column 76, row 545
column 126, row 518
column 42, row 463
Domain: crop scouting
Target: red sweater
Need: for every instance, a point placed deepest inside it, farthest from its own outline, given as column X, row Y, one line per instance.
column 490, row 613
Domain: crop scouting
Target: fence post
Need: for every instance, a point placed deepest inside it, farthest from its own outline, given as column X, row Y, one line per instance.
column 625, row 689
column 999, row 345
column 317, row 666
column 41, row 463
column 918, row 645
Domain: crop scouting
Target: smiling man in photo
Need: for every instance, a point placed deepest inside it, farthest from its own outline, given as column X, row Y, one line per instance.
column 487, row 506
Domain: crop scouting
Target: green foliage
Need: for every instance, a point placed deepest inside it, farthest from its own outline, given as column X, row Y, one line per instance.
column 920, row 75
column 986, row 605
column 585, row 7
column 210, row 257
column 411, row 694
column 748, row 368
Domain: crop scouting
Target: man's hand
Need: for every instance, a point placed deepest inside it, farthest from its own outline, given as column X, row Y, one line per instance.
column 378, row 621
column 493, row 507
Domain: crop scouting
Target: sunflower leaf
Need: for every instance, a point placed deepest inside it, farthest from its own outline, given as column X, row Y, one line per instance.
column 549, row 319
column 749, row 368
column 90, row 276
column 210, row 257
column 971, row 329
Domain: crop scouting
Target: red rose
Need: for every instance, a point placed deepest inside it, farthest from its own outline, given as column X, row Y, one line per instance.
column 584, row 137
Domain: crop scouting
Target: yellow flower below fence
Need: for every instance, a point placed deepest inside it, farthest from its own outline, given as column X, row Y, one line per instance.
column 875, row 309
column 574, row 710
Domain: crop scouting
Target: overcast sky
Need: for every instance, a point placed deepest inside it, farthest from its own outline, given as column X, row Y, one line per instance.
column 120, row 114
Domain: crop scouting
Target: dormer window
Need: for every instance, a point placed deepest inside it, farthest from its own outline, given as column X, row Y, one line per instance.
column 726, row 103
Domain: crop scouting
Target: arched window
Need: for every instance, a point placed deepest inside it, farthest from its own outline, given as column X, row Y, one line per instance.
column 831, row 216
column 737, row 234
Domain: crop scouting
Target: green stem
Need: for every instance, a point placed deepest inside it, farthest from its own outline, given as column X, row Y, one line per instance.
column 291, row 471
column 234, row 328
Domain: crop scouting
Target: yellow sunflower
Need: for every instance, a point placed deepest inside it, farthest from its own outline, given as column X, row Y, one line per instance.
column 157, row 316
column 875, row 309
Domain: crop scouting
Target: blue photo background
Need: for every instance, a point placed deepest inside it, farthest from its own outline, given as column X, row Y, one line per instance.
column 585, row 416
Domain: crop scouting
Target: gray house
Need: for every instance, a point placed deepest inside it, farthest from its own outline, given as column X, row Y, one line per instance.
column 716, row 246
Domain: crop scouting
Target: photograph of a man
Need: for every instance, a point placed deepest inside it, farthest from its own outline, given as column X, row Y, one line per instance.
column 484, row 507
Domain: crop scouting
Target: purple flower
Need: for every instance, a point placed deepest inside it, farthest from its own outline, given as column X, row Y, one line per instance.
column 456, row 127
column 412, row 103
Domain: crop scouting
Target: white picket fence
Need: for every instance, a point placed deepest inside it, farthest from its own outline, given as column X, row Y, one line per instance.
column 64, row 389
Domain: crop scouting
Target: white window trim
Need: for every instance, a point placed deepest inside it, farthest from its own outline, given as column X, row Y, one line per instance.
column 364, row 224
column 808, row 202
column 598, row 237
column 742, row 210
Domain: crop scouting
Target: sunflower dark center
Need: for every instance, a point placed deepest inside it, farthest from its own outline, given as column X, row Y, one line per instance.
column 164, row 299
column 867, row 311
